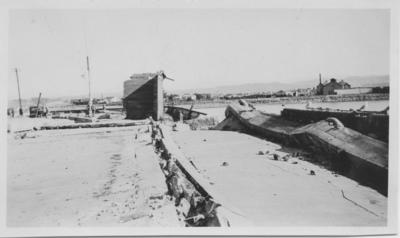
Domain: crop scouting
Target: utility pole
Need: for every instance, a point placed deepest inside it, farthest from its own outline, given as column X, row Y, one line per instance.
column 19, row 94
column 37, row 106
column 90, row 88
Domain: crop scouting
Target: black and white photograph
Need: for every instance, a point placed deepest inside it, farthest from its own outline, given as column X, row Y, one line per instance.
column 199, row 118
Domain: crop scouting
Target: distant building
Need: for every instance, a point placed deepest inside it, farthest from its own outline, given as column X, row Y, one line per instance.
column 280, row 93
column 174, row 97
column 384, row 89
column 80, row 101
column 143, row 96
column 85, row 101
column 330, row 87
column 113, row 99
column 290, row 93
column 188, row 97
column 303, row 92
column 361, row 90
column 203, row 96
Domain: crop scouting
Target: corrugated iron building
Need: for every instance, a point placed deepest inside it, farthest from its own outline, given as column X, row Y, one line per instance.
column 330, row 87
column 143, row 96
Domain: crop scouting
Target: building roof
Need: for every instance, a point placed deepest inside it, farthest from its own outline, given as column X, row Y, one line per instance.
column 143, row 75
column 136, row 81
column 343, row 83
column 333, row 80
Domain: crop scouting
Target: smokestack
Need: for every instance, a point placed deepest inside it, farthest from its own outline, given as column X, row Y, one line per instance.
column 320, row 78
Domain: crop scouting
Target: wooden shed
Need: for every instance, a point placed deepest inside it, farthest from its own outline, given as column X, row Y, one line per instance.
column 143, row 96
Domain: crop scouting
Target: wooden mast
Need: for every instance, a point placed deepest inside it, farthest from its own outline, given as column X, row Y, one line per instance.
column 37, row 106
column 19, row 94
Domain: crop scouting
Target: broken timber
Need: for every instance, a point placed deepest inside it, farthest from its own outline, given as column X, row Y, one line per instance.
column 187, row 114
column 96, row 125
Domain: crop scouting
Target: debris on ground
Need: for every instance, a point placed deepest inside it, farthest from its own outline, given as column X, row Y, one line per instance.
column 225, row 164
column 160, row 197
column 25, row 135
column 104, row 116
column 276, row 156
column 285, row 158
column 204, row 123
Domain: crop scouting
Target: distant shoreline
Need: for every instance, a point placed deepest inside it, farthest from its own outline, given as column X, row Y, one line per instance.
column 289, row 100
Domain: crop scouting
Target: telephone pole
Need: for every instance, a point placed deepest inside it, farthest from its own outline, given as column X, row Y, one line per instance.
column 19, row 94
column 37, row 106
column 90, row 88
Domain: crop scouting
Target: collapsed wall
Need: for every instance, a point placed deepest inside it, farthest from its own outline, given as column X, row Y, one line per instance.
column 369, row 123
column 355, row 155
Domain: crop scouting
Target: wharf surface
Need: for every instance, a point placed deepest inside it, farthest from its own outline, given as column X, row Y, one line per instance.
column 85, row 178
column 271, row 192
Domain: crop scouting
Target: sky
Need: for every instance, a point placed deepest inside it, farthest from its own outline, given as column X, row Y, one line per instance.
column 199, row 48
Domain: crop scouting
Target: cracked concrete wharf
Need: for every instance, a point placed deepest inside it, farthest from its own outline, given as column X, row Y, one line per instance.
column 279, row 190
column 86, row 177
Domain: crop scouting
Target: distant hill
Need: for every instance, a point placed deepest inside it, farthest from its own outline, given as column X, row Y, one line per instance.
column 368, row 81
column 354, row 81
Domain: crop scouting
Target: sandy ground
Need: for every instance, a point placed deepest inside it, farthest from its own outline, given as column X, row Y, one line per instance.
column 86, row 177
column 272, row 192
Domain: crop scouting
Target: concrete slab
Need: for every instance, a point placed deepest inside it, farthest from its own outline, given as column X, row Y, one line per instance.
column 275, row 192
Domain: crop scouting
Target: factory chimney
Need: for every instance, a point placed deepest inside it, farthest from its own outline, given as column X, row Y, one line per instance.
column 320, row 82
